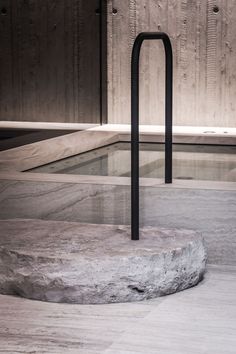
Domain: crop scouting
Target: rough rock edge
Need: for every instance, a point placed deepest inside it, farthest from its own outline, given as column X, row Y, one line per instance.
column 57, row 281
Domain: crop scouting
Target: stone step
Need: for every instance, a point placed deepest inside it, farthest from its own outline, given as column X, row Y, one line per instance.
column 83, row 263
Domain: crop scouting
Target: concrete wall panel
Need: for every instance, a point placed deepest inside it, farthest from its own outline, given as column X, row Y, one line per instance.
column 203, row 35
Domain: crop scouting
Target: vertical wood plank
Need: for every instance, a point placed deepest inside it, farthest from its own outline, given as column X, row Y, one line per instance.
column 7, row 101
column 152, row 63
column 110, row 62
column 88, row 62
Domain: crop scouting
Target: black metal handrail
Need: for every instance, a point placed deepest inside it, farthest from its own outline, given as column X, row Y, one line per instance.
column 135, row 120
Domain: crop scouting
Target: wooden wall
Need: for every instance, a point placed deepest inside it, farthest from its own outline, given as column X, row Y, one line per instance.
column 203, row 34
column 49, row 61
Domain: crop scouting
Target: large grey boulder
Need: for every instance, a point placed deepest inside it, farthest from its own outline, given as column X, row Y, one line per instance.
column 89, row 263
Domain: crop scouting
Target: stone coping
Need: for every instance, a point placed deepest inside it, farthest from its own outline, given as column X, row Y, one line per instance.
column 14, row 161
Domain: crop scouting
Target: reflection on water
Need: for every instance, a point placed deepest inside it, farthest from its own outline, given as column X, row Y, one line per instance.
column 201, row 162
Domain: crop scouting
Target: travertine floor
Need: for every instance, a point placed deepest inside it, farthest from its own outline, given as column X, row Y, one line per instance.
column 195, row 321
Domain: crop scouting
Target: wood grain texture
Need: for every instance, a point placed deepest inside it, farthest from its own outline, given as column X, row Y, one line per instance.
column 49, row 61
column 204, row 49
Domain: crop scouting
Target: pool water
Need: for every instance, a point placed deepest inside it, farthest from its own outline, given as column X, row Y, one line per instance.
column 190, row 162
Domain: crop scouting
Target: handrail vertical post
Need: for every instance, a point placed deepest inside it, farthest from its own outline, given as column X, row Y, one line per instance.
column 135, row 141
column 168, row 109
column 135, row 120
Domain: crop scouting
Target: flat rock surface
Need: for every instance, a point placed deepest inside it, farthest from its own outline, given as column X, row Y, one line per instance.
column 95, row 263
